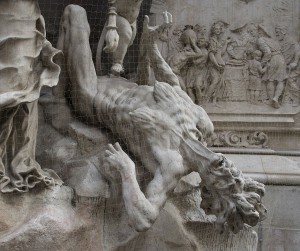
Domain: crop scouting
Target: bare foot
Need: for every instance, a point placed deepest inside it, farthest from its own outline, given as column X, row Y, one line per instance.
column 117, row 69
column 275, row 104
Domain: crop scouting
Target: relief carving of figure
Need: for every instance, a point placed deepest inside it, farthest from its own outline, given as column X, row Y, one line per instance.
column 119, row 33
column 179, row 61
column 275, row 74
column 291, row 53
column 255, row 73
column 236, row 74
column 200, row 30
column 26, row 64
column 237, row 49
column 196, row 77
column 217, row 49
column 174, row 40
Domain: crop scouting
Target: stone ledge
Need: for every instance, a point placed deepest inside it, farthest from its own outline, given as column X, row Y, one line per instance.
column 269, row 169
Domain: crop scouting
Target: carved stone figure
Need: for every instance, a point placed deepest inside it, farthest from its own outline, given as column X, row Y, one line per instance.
column 150, row 56
column 119, row 32
column 255, row 72
column 26, row 64
column 239, row 47
column 179, row 60
column 275, row 74
column 174, row 40
column 291, row 53
column 196, row 77
column 217, row 48
column 200, row 30
column 236, row 74
column 137, row 115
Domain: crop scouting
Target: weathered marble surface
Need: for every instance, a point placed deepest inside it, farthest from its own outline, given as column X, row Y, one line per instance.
column 48, row 220
column 245, row 106
column 26, row 65
column 115, row 194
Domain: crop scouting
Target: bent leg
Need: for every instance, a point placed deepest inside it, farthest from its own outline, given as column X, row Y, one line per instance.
column 270, row 90
column 125, row 38
column 212, row 88
column 279, row 90
column 74, row 42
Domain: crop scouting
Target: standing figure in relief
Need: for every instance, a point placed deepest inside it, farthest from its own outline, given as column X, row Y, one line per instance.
column 255, row 73
column 238, row 48
column 217, row 48
column 275, row 74
column 119, row 33
column 291, row 53
column 200, row 30
column 196, row 79
column 178, row 62
column 174, row 40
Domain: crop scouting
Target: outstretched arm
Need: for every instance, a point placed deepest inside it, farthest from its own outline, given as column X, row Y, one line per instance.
column 161, row 69
column 143, row 209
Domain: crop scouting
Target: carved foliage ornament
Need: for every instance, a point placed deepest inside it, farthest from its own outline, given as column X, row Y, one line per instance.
column 240, row 139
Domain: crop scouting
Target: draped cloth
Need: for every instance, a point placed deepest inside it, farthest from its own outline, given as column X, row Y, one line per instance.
column 26, row 64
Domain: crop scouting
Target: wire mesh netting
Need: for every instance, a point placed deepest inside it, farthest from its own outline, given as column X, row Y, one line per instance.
column 73, row 133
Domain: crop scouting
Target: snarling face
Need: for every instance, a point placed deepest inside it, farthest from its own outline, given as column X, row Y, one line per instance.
column 175, row 123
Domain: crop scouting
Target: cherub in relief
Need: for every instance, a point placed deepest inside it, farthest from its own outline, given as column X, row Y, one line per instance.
column 255, row 73
column 119, row 33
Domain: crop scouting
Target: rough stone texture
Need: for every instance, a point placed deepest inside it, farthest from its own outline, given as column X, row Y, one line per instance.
column 47, row 220
column 94, row 217
column 26, row 65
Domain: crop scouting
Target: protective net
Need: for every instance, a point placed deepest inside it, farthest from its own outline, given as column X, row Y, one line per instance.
column 219, row 65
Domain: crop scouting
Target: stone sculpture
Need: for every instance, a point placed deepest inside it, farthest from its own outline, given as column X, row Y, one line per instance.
column 197, row 73
column 150, row 56
column 26, row 65
column 291, row 53
column 119, row 32
column 275, row 74
column 240, row 139
column 217, row 48
column 237, row 64
column 190, row 51
column 137, row 115
column 255, row 72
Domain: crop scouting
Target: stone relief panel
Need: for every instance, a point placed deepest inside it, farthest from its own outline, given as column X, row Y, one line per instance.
column 243, row 54
column 248, row 65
